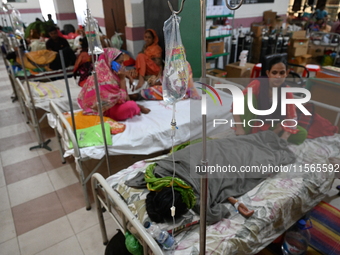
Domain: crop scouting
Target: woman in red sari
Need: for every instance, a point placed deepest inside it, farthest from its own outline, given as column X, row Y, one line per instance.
column 149, row 60
column 262, row 100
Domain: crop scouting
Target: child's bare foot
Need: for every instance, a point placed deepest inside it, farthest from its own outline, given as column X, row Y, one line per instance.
column 143, row 109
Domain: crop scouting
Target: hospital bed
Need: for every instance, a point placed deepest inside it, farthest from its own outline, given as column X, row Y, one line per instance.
column 43, row 93
column 144, row 135
column 278, row 203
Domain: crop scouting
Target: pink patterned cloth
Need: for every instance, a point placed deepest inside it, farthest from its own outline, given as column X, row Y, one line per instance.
column 110, row 92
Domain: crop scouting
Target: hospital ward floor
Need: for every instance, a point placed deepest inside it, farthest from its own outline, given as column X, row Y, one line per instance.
column 41, row 202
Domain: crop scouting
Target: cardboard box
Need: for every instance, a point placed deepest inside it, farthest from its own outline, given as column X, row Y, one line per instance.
column 217, row 72
column 307, row 58
column 215, row 47
column 269, row 17
column 298, row 61
column 257, row 28
column 298, row 42
column 299, row 34
column 297, row 51
column 316, row 51
column 236, row 71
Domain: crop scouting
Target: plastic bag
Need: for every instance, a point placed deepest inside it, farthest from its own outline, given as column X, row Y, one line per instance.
column 176, row 71
column 116, row 41
column 132, row 244
column 93, row 136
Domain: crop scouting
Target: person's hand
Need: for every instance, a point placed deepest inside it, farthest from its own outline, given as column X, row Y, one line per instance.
column 153, row 80
column 285, row 135
column 277, row 129
column 240, row 131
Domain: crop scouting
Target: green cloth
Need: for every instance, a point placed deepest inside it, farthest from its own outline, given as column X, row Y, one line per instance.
column 157, row 184
column 297, row 138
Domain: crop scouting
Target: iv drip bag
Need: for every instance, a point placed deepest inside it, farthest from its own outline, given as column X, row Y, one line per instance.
column 92, row 35
column 176, row 71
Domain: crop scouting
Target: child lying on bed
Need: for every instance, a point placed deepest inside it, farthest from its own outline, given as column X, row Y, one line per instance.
column 260, row 149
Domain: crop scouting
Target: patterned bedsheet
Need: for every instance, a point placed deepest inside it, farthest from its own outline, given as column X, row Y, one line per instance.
column 278, row 202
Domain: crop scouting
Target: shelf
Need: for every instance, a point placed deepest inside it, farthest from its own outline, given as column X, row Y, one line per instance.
column 220, row 16
column 218, row 55
column 217, row 37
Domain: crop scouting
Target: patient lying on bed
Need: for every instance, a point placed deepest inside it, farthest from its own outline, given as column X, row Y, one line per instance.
column 263, row 148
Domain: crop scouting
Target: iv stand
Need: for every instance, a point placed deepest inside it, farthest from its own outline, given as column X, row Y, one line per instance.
column 204, row 160
column 41, row 144
column 99, row 104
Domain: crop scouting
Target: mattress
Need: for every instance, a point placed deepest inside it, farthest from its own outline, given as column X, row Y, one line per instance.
column 278, row 202
column 150, row 133
column 60, row 99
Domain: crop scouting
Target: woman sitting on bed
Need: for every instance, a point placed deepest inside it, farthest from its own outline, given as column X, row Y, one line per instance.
column 149, row 60
column 262, row 100
column 112, row 87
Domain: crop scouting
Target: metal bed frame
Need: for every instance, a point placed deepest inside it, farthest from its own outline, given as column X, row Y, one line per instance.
column 68, row 133
column 109, row 200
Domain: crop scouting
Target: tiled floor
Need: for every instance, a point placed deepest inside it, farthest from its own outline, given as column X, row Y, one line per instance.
column 41, row 202
column 42, row 208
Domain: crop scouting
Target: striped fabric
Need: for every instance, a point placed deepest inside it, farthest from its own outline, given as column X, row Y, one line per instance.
column 324, row 233
column 326, row 229
column 46, row 90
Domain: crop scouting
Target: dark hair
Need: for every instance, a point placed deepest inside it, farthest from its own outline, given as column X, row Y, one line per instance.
column 276, row 60
column 158, row 205
column 52, row 28
column 84, row 43
column 339, row 16
column 149, row 31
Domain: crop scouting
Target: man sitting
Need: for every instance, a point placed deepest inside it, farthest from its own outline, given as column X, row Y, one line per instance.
column 57, row 43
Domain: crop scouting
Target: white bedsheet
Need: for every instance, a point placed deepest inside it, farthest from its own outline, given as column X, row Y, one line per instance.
column 61, row 102
column 150, row 133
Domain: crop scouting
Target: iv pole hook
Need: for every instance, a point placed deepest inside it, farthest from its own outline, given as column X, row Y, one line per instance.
column 234, row 8
column 176, row 12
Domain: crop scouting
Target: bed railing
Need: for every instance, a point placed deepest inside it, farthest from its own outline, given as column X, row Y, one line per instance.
column 100, row 186
column 63, row 130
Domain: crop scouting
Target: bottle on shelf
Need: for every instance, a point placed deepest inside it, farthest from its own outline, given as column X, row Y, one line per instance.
column 296, row 239
column 240, row 41
column 248, row 42
column 233, row 49
column 279, row 42
column 264, row 44
column 227, row 26
column 161, row 236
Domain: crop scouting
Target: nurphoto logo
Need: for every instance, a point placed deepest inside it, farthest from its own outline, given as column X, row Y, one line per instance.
column 238, row 104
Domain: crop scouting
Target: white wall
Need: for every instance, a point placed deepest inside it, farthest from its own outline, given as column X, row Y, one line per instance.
column 96, row 8
column 134, row 13
column 256, row 10
column 27, row 18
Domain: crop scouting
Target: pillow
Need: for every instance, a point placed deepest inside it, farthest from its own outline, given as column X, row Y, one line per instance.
column 49, row 90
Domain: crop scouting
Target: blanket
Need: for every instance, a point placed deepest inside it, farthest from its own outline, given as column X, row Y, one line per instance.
column 260, row 149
